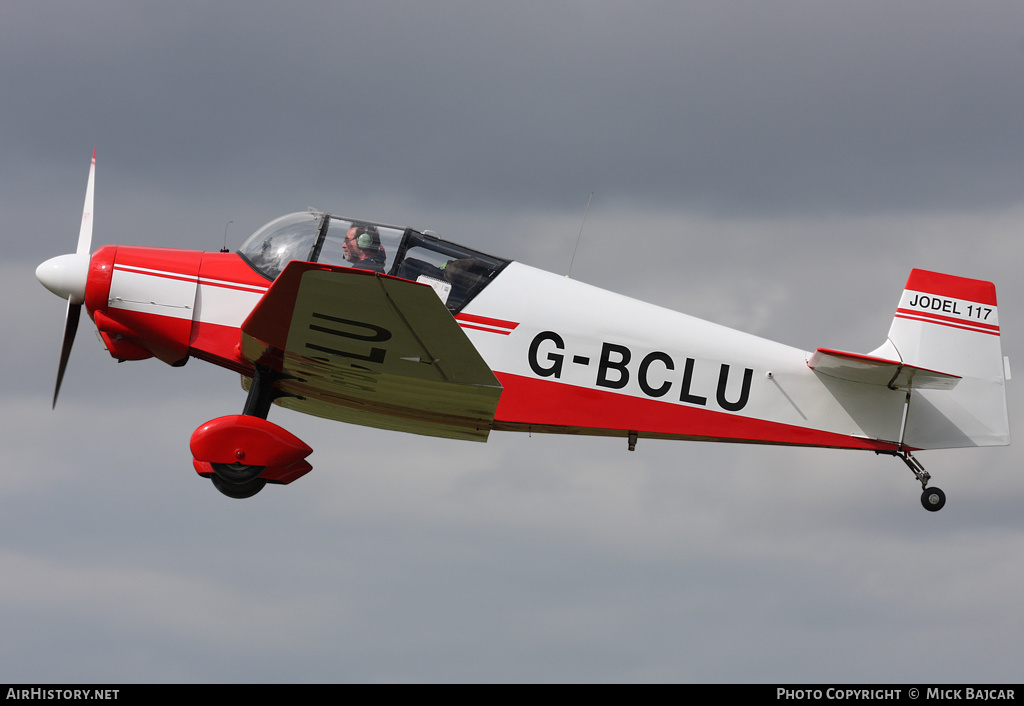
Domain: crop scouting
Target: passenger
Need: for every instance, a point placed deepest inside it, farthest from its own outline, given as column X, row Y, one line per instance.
column 363, row 249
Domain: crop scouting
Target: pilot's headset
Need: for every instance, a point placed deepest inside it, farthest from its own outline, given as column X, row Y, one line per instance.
column 367, row 238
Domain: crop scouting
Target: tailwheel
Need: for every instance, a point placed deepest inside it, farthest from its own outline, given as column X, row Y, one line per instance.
column 239, row 491
column 933, row 499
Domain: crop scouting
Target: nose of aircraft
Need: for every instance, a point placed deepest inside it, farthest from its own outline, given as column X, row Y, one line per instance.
column 65, row 276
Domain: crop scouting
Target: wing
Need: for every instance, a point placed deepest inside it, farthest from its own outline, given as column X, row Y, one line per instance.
column 878, row 371
column 370, row 349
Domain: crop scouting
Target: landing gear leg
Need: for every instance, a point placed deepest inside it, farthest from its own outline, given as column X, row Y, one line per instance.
column 261, row 393
column 932, row 499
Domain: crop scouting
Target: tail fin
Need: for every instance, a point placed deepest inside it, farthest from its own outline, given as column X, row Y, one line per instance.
column 951, row 324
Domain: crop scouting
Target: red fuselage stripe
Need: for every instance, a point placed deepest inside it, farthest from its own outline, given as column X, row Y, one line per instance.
column 484, row 328
column 527, row 401
column 487, row 321
column 232, row 285
column 154, row 273
column 163, row 274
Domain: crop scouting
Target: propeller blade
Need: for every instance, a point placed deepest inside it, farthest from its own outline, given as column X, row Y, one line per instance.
column 66, row 275
column 70, row 329
column 85, row 233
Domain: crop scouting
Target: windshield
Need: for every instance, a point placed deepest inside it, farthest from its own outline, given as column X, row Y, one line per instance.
column 455, row 272
column 287, row 238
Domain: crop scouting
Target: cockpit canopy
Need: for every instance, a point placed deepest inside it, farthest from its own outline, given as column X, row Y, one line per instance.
column 455, row 272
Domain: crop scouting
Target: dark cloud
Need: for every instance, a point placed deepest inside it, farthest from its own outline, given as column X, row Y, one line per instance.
column 745, row 108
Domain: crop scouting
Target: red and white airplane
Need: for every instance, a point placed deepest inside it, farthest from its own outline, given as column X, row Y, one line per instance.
column 393, row 328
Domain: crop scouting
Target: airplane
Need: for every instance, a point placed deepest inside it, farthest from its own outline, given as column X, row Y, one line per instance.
column 398, row 329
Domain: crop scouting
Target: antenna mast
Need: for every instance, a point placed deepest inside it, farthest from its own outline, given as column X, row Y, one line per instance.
column 225, row 248
column 569, row 274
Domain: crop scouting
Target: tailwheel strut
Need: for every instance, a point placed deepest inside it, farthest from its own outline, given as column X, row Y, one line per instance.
column 932, row 499
column 916, row 468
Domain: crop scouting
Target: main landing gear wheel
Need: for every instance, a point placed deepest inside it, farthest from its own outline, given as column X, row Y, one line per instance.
column 239, row 491
column 237, row 472
column 933, row 499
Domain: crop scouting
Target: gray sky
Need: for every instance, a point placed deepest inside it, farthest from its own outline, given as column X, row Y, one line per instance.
column 785, row 164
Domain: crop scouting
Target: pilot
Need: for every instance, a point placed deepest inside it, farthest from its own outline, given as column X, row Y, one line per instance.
column 363, row 249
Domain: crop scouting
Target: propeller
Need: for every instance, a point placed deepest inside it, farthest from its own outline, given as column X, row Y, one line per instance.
column 66, row 275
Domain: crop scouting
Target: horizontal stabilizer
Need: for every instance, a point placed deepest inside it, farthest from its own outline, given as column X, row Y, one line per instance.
column 894, row 374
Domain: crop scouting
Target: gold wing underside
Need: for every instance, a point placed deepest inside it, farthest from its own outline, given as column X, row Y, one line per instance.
column 371, row 350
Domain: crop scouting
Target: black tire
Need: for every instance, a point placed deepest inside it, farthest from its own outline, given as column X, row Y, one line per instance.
column 238, row 491
column 238, row 473
column 933, row 499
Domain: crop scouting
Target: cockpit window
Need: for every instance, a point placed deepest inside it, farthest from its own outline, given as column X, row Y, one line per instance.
column 456, row 273
column 365, row 246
